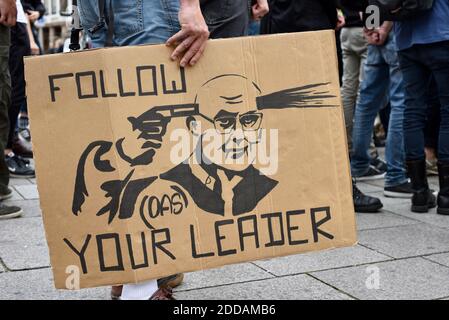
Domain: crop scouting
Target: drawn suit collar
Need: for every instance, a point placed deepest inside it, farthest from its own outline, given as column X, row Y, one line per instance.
column 204, row 186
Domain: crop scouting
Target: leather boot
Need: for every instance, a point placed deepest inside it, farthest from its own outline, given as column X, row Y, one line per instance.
column 423, row 198
column 443, row 195
column 364, row 203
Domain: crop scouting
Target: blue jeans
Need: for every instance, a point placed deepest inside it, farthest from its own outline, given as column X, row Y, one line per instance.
column 419, row 64
column 154, row 21
column 135, row 21
column 383, row 78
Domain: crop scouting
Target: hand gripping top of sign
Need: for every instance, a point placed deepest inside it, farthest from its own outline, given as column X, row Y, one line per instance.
column 235, row 99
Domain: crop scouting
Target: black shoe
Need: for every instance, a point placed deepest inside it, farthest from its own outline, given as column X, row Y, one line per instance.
column 404, row 191
column 364, row 203
column 443, row 195
column 7, row 212
column 423, row 198
column 22, row 147
column 19, row 167
column 5, row 192
column 171, row 281
column 379, row 164
column 372, row 174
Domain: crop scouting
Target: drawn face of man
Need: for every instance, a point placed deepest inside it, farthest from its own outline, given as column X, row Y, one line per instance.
column 231, row 121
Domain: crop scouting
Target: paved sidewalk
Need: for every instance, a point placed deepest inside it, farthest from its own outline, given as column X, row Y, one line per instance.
column 409, row 251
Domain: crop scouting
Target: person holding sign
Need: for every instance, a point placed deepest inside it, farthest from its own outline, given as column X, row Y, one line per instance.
column 184, row 24
column 8, row 14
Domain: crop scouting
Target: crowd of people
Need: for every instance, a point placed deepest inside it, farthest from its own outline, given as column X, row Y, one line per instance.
column 18, row 39
column 397, row 72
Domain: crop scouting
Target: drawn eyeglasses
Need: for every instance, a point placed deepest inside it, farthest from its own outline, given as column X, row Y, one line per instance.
column 226, row 124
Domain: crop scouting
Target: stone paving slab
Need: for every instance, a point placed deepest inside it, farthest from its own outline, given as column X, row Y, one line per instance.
column 406, row 241
column 414, row 278
column 402, row 207
column 28, row 192
column 31, row 208
column 38, row 284
column 23, row 244
column 19, row 182
column 15, row 196
column 384, row 219
column 431, row 217
column 394, row 205
column 298, row 287
column 225, row 275
column 442, row 258
column 329, row 259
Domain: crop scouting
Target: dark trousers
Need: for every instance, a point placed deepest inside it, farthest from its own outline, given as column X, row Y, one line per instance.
column 432, row 130
column 20, row 47
column 5, row 100
column 419, row 64
column 227, row 19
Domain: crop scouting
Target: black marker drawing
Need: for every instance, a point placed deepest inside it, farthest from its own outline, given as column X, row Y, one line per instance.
column 207, row 183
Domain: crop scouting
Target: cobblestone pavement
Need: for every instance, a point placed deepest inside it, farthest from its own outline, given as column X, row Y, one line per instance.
column 409, row 252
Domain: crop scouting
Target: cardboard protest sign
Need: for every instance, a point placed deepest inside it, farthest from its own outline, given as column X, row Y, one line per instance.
column 145, row 169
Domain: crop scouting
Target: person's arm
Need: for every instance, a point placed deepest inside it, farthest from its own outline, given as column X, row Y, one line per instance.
column 39, row 7
column 33, row 46
column 378, row 36
column 259, row 9
column 190, row 42
column 8, row 12
column 341, row 20
column 387, row 26
column 384, row 31
column 371, row 35
column 32, row 15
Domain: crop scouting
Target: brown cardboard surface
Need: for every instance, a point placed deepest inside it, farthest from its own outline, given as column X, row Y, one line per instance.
column 123, row 203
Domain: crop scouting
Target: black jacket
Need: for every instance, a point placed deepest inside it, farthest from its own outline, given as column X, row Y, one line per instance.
column 34, row 5
column 300, row 15
column 351, row 9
